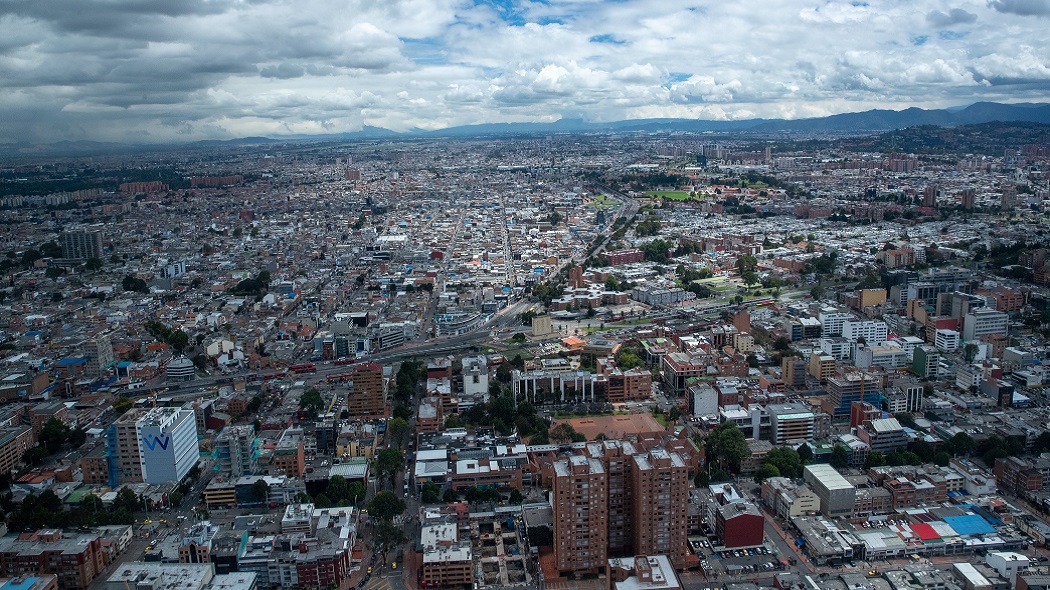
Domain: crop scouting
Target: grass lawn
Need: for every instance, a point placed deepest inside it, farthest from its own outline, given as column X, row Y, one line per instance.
column 671, row 195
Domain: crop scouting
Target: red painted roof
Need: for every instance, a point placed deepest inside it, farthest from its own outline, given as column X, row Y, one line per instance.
column 925, row 531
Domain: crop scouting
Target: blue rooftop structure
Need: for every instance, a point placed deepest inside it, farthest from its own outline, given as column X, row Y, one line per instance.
column 969, row 524
column 72, row 361
column 23, row 584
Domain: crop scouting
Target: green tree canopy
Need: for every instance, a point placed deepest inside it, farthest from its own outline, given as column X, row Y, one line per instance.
column 385, row 506
column 389, row 462
column 765, row 472
column 786, row 460
column 727, row 446
column 839, row 457
column 311, row 402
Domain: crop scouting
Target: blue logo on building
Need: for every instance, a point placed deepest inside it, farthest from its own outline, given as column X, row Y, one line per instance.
column 163, row 441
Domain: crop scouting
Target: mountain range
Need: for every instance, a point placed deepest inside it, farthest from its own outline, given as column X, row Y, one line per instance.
column 844, row 124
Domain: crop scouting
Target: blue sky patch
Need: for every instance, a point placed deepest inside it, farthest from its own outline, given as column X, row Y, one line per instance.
column 607, row 38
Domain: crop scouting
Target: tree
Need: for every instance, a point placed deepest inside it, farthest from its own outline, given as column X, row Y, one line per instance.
column 126, row 500
column 450, row 496
column 322, row 501
column 970, row 352
column 397, row 427
column 765, row 472
column 385, row 506
column 260, row 490
column 93, row 264
column 839, row 457
column 430, row 493
column 516, row 497
column 540, row 536
column 355, row 492
column 174, row 499
column 874, row 459
column 311, row 402
column 1042, row 442
column 726, row 445
column 961, row 444
column 338, row 490
column 503, row 374
column 628, row 359
column 805, row 453
column 786, row 460
column 389, row 462
column 53, row 435
column 746, row 263
column 749, row 278
column 387, row 535
column 562, row 433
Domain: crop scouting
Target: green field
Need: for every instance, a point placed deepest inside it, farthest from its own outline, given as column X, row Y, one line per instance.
column 670, row 195
column 602, row 202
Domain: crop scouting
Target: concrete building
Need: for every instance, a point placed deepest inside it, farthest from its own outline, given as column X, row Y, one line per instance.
column 925, row 361
column 14, row 442
column 644, row 572
column 872, row 331
column 1008, row 564
column 837, row 496
column 660, row 494
column 983, row 323
column 82, row 245
column 788, row 499
column 367, row 395
column 237, row 450
column 739, row 524
column 447, row 559
column 580, row 502
column 76, row 561
column 155, row 445
column 789, row 422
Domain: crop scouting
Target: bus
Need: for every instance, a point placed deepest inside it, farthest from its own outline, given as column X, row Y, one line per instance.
column 303, row 368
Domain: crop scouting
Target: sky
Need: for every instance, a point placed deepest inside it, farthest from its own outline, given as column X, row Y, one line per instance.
column 153, row 71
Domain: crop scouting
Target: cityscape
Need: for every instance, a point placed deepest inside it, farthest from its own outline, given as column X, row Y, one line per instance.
column 639, row 359
column 524, row 295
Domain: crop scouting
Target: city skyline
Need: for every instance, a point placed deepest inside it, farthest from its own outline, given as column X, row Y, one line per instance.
column 151, row 72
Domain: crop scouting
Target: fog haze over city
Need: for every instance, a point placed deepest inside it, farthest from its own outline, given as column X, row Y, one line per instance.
column 150, row 71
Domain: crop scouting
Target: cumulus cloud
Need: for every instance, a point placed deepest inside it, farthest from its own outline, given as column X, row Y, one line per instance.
column 160, row 70
column 955, row 16
column 1022, row 7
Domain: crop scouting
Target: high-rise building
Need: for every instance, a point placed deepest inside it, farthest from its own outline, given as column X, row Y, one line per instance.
column 616, row 457
column 237, row 450
column 154, row 445
column 367, row 394
column 930, row 195
column 99, row 352
column 580, row 501
column 851, row 387
column 660, row 497
column 82, row 245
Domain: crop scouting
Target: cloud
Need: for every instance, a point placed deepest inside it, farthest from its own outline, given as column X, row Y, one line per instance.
column 159, row 70
column 283, row 71
column 955, row 16
column 1022, row 7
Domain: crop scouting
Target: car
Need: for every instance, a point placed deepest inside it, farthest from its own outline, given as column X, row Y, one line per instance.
column 873, row 573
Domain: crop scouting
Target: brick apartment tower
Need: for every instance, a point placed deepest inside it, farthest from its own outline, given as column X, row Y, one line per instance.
column 367, row 396
column 580, row 501
column 617, row 457
column 660, row 497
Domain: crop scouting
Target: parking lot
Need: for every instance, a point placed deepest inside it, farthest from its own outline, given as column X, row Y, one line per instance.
column 736, row 561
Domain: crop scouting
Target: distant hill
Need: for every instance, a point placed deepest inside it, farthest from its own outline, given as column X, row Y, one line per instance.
column 864, row 123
